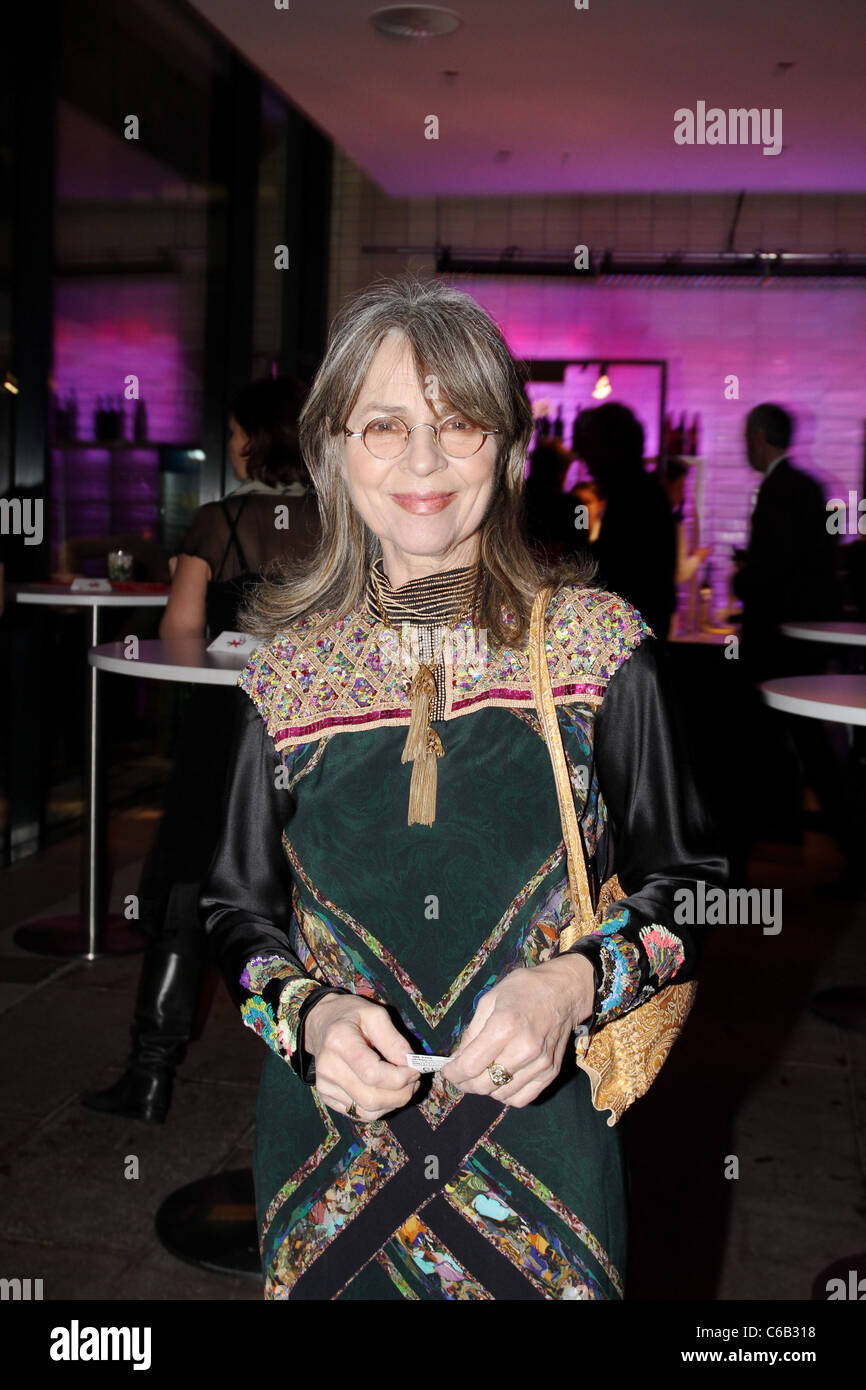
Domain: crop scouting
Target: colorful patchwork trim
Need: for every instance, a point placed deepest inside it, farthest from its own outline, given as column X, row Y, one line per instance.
column 565, row 1214
column 438, row 1270
column 529, row 1245
column 361, row 1173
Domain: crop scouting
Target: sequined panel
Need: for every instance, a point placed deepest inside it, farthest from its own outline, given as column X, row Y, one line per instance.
column 343, row 666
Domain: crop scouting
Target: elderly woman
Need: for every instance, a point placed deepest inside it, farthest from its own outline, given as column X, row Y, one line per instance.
column 380, row 895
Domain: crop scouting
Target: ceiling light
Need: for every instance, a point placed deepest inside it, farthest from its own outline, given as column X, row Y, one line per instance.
column 415, row 21
column 602, row 387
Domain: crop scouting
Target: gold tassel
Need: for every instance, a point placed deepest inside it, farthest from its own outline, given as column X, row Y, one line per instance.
column 421, row 698
column 422, row 788
column 423, row 746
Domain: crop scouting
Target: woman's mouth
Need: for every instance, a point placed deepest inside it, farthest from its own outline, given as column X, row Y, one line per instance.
column 422, row 502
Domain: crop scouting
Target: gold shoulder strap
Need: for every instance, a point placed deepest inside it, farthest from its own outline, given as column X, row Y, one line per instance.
column 584, row 913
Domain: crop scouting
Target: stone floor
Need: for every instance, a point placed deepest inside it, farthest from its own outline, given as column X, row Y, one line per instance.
column 758, row 1079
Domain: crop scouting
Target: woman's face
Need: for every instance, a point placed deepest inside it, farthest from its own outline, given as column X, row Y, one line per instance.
column 425, row 507
column 238, row 441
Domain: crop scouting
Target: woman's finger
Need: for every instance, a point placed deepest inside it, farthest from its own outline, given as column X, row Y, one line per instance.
column 377, row 1028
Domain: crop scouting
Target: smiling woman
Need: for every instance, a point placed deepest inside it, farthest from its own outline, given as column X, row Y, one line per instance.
column 354, row 935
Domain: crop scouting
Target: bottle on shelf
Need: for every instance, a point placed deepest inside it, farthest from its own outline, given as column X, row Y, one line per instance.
column 119, row 420
column 72, row 415
column 667, row 435
column 676, row 442
column 558, row 424
column 705, row 598
column 139, row 423
column 58, row 421
column 575, row 432
column 695, row 437
column 99, row 419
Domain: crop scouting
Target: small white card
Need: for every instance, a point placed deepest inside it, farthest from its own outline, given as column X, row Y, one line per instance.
column 233, row 642
column 90, row 586
column 423, row 1061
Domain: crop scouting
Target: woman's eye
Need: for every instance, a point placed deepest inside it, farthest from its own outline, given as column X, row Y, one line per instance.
column 384, row 426
column 457, row 424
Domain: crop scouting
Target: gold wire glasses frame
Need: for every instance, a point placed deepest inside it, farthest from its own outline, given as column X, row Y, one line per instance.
column 399, row 431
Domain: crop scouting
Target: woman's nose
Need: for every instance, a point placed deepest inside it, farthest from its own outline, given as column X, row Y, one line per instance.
column 422, row 454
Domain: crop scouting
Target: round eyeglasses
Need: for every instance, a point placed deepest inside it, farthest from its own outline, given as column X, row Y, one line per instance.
column 387, row 437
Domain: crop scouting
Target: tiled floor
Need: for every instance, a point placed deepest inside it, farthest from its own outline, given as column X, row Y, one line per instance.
column 757, row 1079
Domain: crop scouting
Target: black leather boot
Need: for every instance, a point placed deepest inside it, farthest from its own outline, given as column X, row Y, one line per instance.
column 165, row 1010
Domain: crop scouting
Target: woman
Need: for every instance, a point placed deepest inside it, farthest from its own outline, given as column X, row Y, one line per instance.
column 371, row 901
column 229, row 543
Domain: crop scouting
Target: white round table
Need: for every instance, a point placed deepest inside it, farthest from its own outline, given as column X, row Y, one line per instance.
column 845, row 634
column 211, row 1222
column 172, row 659
column 62, row 936
column 839, row 699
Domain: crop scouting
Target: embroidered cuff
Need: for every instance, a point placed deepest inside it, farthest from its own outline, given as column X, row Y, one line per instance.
column 277, row 989
column 628, row 972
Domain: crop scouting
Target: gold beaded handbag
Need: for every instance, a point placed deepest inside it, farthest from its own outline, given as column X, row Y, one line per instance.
column 623, row 1058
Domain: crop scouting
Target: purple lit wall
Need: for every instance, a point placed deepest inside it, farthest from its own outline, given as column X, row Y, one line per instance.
column 105, row 330
column 801, row 345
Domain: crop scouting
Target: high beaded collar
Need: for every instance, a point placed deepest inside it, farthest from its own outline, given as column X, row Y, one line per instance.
column 431, row 600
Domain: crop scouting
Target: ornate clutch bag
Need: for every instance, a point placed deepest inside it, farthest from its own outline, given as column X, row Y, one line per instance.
column 623, row 1058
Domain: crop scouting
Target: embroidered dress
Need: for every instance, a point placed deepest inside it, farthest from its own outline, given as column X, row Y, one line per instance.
column 320, row 882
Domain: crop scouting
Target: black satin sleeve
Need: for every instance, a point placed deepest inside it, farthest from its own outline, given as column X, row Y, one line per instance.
column 245, row 904
column 659, row 840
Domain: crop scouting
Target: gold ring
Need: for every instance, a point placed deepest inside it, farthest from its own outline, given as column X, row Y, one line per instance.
column 352, row 1112
column 499, row 1075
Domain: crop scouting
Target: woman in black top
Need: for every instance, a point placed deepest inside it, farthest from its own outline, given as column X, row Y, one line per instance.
column 230, row 543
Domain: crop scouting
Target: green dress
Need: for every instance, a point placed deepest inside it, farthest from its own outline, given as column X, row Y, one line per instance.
column 319, row 880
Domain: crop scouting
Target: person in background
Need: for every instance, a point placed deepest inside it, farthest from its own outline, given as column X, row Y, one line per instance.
column 674, row 485
column 587, row 495
column 550, row 513
column 788, row 572
column 636, row 548
column 271, row 515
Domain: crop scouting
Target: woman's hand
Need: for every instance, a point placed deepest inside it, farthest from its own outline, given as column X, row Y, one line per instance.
column 359, row 1055
column 524, row 1023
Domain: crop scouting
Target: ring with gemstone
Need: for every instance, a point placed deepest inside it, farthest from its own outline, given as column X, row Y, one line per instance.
column 499, row 1075
column 352, row 1112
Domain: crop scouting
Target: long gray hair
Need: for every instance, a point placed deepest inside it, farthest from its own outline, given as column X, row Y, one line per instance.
column 451, row 336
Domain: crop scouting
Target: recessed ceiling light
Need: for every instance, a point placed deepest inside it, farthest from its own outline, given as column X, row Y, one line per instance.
column 415, row 21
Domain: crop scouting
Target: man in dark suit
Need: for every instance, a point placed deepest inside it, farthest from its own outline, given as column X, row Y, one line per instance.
column 788, row 573
column 636, row 549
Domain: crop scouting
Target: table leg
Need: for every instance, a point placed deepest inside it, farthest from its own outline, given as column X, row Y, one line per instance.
column 91, row 933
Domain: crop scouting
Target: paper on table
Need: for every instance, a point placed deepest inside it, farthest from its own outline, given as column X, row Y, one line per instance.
column 234, row 642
